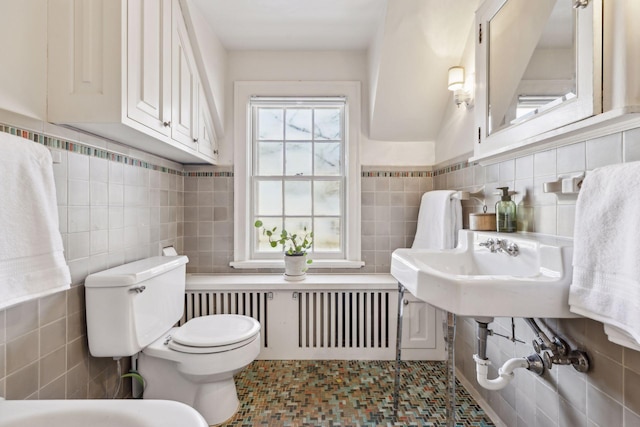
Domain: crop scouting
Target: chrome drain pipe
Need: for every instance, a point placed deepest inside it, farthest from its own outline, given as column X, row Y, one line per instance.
column 533, row 363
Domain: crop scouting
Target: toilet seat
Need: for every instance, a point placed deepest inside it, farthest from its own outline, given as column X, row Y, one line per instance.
column 214, row 334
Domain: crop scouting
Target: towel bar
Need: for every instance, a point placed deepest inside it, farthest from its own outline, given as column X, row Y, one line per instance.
column 466, row 195
column 566, row 188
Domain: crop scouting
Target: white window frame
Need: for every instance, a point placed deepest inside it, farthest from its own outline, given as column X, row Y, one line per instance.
column 243, row 91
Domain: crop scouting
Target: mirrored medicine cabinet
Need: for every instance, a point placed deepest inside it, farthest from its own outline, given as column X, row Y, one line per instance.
column 538, row 68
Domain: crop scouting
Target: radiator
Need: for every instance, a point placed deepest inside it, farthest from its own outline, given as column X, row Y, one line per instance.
column 324, row 324
column 252, row 304
column 344, row 319
column 326, row 317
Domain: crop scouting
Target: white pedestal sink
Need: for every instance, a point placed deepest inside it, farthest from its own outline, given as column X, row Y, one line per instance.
column 470, row 280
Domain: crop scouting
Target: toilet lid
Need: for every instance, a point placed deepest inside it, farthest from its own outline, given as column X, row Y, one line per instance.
column 216, row 330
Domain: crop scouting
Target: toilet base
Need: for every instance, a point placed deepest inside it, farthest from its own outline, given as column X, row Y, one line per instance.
column 216, row 401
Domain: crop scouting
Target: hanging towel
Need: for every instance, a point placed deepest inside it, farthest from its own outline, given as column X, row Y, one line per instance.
column 439, row 220
column 606, row 253
column 32, row 260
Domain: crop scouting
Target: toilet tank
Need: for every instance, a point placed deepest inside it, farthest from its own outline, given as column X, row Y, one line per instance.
column 130, row 306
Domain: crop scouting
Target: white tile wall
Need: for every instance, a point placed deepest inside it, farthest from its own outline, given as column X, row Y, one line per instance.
column 100, row 228
column 608, row 394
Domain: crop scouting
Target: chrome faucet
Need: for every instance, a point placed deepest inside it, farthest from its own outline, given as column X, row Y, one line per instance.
column 501, row 245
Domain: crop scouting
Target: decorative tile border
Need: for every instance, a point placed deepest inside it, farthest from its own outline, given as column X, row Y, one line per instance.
column 75, row 147
column 208, row 174
column 397, row 174
column 453, row 167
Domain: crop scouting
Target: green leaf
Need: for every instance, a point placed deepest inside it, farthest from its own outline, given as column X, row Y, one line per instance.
column 258, row 224
column 309, row 261
column 273, row 244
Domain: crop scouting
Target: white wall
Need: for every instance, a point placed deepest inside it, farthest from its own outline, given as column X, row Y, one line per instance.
column 318, row 66
column 212, row 60
column 456, row 136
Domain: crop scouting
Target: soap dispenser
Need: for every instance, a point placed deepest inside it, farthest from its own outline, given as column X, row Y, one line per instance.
column 505, row 213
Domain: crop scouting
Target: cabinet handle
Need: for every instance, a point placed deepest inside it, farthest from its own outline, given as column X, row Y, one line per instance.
column 167, row 124
column 195, row 139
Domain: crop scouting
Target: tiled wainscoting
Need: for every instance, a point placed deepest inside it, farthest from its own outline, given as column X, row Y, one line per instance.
column 115, row 205
column 608, row 395
column 390, row 202
column 208, row 216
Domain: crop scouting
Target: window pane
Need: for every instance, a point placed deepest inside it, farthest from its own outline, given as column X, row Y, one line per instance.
column 297, row 226
column 298, row 124
column 326, row 198
column 327, row 124
column 298, row 158
column 269, row 198
column 270, row 158
column 297, row 198
column 298, row 173
column 328, row 157
column 270, row 123
column 326, row 235
column 262, row 243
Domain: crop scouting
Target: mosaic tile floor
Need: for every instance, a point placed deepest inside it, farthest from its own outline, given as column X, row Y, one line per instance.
column 348, row 393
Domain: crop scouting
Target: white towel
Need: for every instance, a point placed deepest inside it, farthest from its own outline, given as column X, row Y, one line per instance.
column 606, row 253
column 32, row 260
column 439, row 220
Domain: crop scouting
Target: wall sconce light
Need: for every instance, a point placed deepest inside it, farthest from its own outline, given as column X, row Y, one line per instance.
column 456, row 85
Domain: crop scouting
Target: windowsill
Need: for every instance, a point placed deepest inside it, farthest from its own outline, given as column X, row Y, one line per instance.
column 320, row 263
column 273, row 282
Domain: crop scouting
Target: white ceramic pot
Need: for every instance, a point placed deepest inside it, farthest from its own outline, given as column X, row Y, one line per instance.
column 295, row 267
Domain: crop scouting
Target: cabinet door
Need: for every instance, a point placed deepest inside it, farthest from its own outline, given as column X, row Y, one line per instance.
column 184, row 84
column 419, row 324
column 207, row 143
column 149, row 63
column 533, row 82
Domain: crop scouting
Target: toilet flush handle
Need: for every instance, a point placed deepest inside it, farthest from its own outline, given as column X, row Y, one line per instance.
column 138, row 289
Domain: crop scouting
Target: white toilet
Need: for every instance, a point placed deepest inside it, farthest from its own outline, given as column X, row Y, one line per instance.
column 134, row 307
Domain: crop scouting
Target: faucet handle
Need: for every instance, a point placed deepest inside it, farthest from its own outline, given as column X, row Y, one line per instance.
column 489, row 243
column 512, row 249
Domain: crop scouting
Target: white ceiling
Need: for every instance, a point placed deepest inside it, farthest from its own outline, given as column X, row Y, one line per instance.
column 293, row 24
column 410, row 43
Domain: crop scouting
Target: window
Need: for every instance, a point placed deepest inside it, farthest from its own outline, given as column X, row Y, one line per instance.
column 298, row 168
column 298, row 172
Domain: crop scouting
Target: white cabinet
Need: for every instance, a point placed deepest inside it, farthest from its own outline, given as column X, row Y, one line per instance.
column 206, row 139
column 149, row 64
column 549, row 74
column 422, row 333
column 184, row 84
column 125, row 70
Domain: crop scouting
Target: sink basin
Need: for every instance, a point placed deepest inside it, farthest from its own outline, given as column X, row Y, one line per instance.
column 472, row 281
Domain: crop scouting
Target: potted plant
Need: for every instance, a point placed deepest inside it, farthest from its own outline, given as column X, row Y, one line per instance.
column 295, row 250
